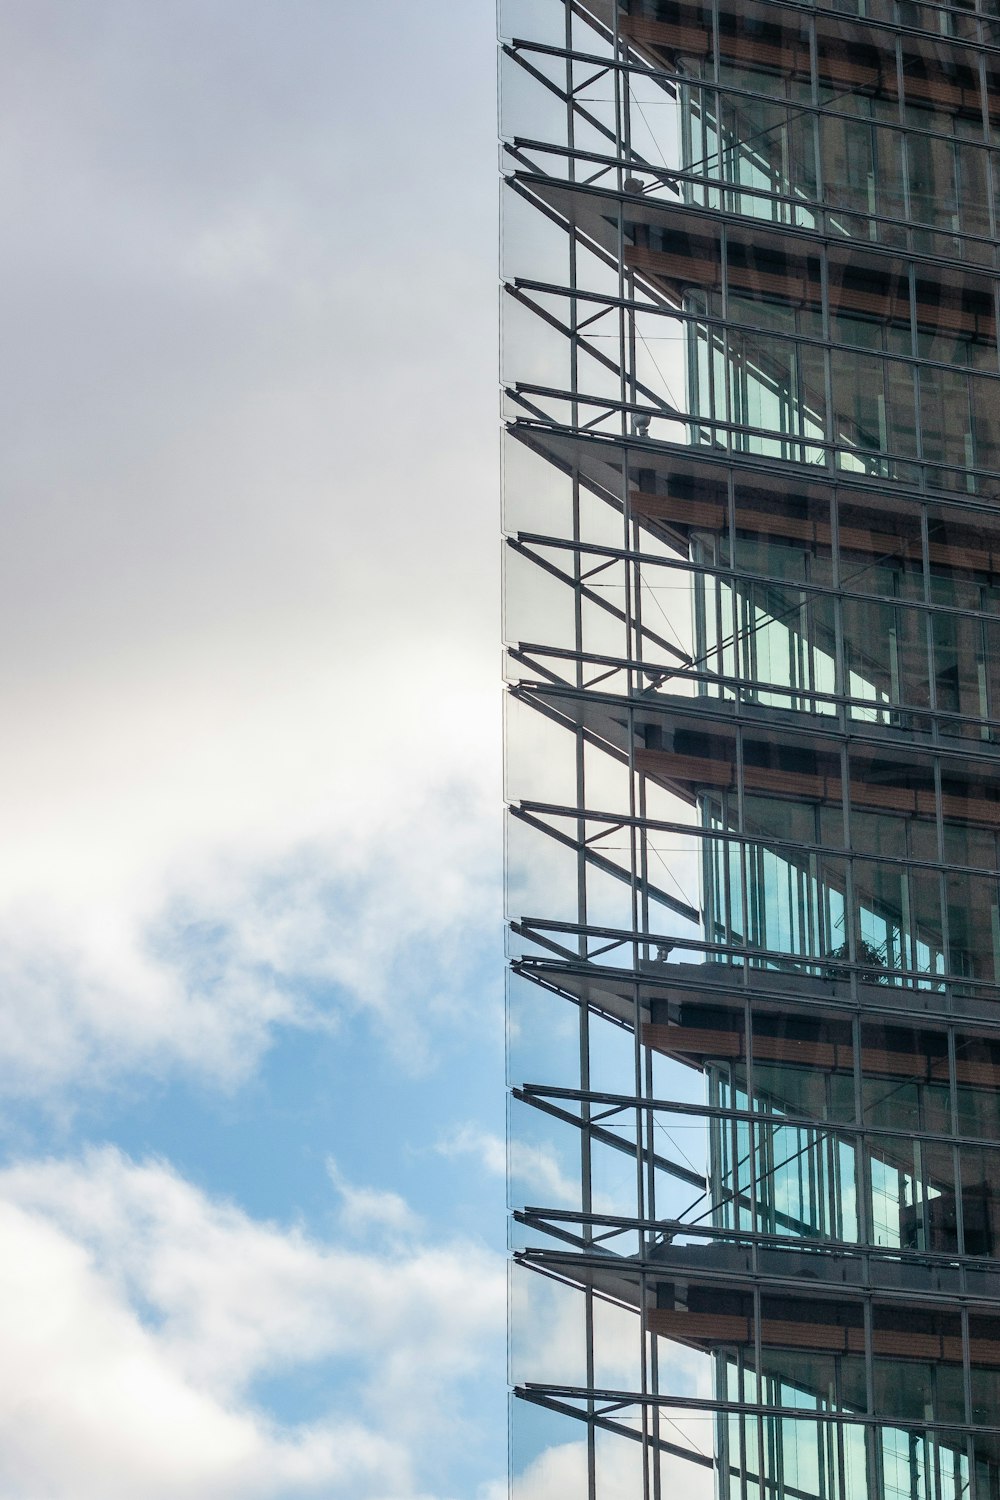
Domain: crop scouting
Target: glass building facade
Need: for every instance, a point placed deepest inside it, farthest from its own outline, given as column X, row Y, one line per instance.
column 752, row 612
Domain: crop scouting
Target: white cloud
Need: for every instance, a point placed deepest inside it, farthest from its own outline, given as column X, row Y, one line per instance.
column 250, row 765
column 364, row 1210
column 562, row 1470
column 247, row 592
column 470, row 1140
column 149, row 929
column 532, row 1167
column 139, row 1313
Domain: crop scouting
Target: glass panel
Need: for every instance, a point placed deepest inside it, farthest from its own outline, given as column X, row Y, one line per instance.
column 784, row 646
column 885, row 658
column 764, row 49
column 964, row 558
column 984, row 1361
column 548, row 1341
column 705, row 1336
column 812, row 1353
column 945, row 416
column 974, row 199
column 766, row 150
column 805, row 1183
column 971, row 816
column 905, row 1078
column 775, row 387
column 985, row 396
column 959, row 664
column 881, row 549
column 796, row 903
column 804, row 1066
column 862, row 175
column 972, row 925
column 534, row 20
column 933, row 182
column 893, row 807
column 853, row 75
column 543, row 1160
column 917, row 1364
column 661, row 116
column 956, row 322
column 543, row 1035
column 782, row 534
column 977, row 1067
column 912, row 1194
column 869, row 303
column 536, row 495
column 770, row 286
column 792, row 790
column 898, row 912
column 873, row 406
column 531, row 109
column 676, row 36
column 924, row 1465
column 980, row 1208
column 942, row 87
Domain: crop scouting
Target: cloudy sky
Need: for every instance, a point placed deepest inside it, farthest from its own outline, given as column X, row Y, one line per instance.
column 251, row 1104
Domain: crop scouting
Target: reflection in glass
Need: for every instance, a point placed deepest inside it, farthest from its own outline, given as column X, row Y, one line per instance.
column 752, row 605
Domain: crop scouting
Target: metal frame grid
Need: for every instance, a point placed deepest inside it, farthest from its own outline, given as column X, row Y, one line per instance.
column 752, row 604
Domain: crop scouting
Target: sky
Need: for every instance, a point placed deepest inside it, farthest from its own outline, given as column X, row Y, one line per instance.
column 251, row 1016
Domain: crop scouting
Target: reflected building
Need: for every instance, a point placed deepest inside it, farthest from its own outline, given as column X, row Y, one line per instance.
column 752, row 610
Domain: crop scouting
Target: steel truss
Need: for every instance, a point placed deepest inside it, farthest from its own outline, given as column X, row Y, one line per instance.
column 752, row 615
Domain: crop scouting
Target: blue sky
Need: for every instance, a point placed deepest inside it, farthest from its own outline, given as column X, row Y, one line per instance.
column 251, row 1017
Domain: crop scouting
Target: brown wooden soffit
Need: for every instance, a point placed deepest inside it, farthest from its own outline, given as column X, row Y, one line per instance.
column 702, row 771
column 944, row 315
column 708, row 1330
column 789, row 54
column 832, row 1057
column 708, row 516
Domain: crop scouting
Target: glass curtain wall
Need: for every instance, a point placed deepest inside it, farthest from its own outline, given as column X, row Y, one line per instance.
column 752, row 617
